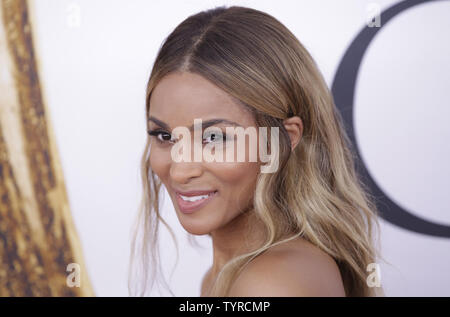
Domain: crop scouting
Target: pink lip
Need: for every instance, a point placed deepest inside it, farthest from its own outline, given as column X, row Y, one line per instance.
column 188, row 207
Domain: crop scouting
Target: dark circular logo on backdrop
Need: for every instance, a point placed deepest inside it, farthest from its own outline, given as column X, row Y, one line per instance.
column 343, row 89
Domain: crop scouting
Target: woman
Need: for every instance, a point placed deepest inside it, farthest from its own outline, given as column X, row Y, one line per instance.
column 305, row 229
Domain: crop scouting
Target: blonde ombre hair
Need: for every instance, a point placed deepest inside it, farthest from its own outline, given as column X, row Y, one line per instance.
column 315, row 193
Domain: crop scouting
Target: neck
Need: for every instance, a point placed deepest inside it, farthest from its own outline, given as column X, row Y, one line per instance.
column 235, row 239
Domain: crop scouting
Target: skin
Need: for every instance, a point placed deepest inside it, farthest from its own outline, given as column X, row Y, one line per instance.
column 298, row 268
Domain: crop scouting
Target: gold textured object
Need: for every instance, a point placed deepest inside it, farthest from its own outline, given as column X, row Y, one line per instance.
column 38, row 239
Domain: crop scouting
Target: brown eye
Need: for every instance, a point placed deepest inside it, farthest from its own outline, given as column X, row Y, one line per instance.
column 161, row 136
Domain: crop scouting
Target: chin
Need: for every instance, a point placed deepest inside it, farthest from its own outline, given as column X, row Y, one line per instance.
column 196, row 230
column 199, row 226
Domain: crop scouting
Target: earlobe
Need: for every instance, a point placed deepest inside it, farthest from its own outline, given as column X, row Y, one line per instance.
column 294, row 127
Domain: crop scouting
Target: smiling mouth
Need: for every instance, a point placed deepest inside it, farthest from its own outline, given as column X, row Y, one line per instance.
column 189, row 203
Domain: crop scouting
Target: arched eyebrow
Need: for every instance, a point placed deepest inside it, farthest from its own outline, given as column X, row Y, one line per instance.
column 205, row 124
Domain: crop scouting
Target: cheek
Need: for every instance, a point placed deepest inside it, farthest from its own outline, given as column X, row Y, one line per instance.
column 237, row 172
column 238, row 180
column 159, row 163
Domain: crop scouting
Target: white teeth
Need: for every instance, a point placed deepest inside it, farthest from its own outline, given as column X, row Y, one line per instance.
column 193, row 198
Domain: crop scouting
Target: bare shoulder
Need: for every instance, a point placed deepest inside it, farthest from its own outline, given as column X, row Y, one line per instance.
column 295, row 268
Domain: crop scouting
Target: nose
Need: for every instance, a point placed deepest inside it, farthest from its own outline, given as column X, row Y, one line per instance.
column 183, row 172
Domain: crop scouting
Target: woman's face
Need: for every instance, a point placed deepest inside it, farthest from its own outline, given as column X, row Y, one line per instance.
column 228, row 187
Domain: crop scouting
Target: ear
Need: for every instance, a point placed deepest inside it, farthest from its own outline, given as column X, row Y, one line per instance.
column 294, row 127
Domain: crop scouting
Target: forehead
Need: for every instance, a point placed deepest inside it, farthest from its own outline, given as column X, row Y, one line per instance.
column 179, row 98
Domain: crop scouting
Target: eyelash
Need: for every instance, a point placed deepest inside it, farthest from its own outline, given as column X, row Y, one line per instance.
column 157, row 132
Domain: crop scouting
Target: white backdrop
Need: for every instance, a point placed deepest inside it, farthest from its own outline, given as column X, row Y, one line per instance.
column 96, row 57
